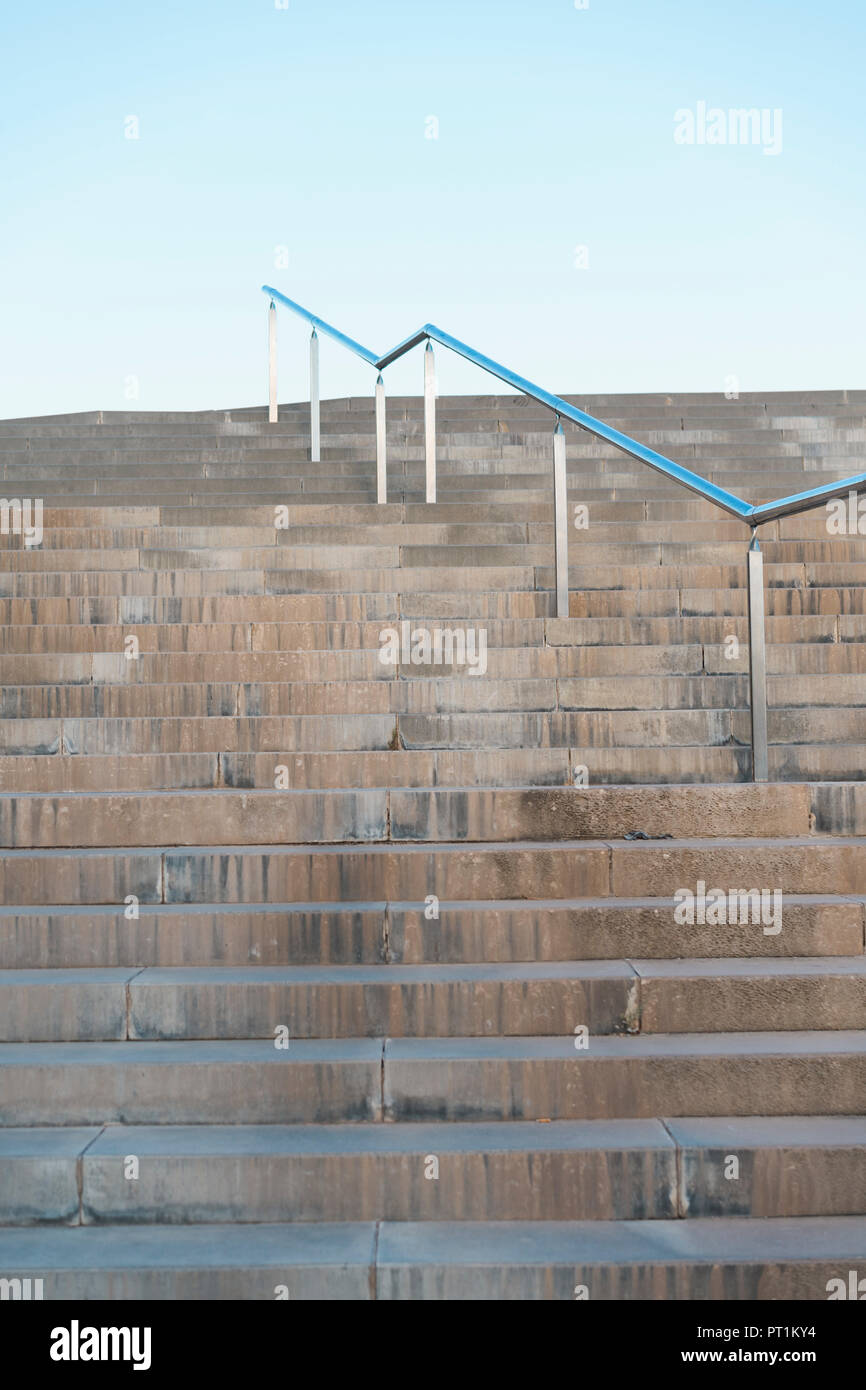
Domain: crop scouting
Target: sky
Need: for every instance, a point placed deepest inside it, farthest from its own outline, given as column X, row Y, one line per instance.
column 522, row 174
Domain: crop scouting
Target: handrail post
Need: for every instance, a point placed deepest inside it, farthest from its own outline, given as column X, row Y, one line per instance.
column 272, row 364
column 315, row 424
column 757, row 662
column 381, row 443
column 560, row 519
column 430, row 422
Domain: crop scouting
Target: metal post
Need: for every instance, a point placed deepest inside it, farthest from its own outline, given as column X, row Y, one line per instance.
column 757, row 663
column 430, row 421
column 272, row 364
column 315, row 427
column 560, row 520
column 381, row 443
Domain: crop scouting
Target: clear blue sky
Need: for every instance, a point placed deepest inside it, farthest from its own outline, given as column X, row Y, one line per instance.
column 304, row 127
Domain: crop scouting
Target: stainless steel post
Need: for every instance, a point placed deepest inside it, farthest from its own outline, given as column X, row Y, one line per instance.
column 272, row 363
column 430, row 421
column 381, row 443
column 560, row 519
column 315, row 428
column 758, row 663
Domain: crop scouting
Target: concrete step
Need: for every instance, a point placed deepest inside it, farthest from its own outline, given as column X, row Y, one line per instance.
column 794, row 1258
column 344, row 933
column 604, row 1170
column 28, row 582
column 758, row 1073
column 309, row 1261
column 422, row 654
column 251, row 635
column 486, row 871
column 226, row 816
column 290, row 556
column 660, row 741
column 387, row 767
column 346, row 1001
column 721, row 1258
column 794, row 994
column 458, row 653
column 306, row 771
column 244, row 1082
column 831, row 761
column 425, row 696
column 432, row 1079
column 467, row 1000
column 361, row 1172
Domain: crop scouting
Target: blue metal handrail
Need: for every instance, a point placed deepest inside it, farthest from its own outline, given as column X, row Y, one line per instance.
column 322, row 326
column 735, row 506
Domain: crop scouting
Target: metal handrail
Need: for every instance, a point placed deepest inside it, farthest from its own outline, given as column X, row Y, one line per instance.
column 727, row 501
column 753, row 516
column 323, row 327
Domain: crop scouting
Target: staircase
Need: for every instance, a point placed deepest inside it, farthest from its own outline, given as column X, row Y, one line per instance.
column 328, row 978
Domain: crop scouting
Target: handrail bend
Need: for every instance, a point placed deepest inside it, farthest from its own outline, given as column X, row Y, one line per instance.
column 727, row 501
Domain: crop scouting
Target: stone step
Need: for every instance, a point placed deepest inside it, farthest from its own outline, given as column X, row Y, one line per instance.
column 453, row 651
column 224, row 609
column 692, row 996
column 302, row 771
column 481, row 731
column 602, row 732
column 291, row 557
column 562, row 869
column 244, row 533
column 344, row 933
column 95, row 583
column 427, row 697
column 473, row 450
column 361, row 1172
column 232, row 1083
column 712, row 603
column 758, row 1073
column 831, row 761
column 604, row 1170
column 33, row 584
column 425, row 767
column 248, row 527
column 349, row 1001
column 724, row 418
column 708, row 609
column 596, row 490
column 423, row 653
column 433, row 1001
column 347, row 428
column 676, row 508
column 719, row 1258
column 226, row 816
column 432, row 1079
column 422, row 696
column 230, row 1262
column 251, row 635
